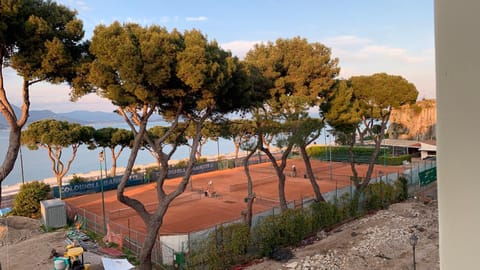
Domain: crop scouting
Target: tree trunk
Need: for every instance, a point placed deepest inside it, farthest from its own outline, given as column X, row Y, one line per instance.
column 373, row 158
column 59, row 183
column 145, row 256
column 311, row 176
column 15, row 123
column 250, row 195
column 281, row 192
column 352, row 160
column 361, row 135
column 154, row 221
column 279, row 170
column 237, row 150
column 113, row 170
column 11, row 155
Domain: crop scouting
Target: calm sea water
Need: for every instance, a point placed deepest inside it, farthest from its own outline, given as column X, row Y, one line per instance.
column 37, row 165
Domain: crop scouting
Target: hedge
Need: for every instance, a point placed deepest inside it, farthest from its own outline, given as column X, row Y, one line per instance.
column 362, row 154
column 235, row 244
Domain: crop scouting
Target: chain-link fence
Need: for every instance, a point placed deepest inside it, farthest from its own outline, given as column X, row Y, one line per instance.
column 170, row 248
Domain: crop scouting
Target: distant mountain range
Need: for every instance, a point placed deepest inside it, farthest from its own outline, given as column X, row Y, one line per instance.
column 81, row 117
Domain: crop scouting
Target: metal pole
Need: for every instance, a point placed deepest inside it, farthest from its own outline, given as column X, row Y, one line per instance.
column 105, row 162
column 218, row 149
column 101, row 169
column 325, row 136
column 21, row 167
column 413, row 241
column 414, row 262
column 384, row 157
column 331, row 169
column 101, row 158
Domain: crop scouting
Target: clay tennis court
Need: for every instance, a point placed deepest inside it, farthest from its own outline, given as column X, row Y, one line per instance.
column 193, row 211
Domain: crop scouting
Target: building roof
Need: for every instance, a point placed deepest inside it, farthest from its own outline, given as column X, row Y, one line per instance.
column 430, row 144
column 397, row 142
column 428, row 147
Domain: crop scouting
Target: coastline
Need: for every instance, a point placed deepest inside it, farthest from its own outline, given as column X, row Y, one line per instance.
column 8, row 191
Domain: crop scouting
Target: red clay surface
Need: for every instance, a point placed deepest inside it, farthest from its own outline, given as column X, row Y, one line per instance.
column 192, row 211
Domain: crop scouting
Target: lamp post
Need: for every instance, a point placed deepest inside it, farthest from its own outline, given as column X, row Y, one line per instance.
column 21, row 165
column 105, row 162
column 325, row 136
column 101, row 157
column 331, row 168
column 413, row 241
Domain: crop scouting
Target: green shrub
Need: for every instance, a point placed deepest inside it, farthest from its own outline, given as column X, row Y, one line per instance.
column 416, row 109
column 224, row 247
column 401, row 188
column 151, row 169
column 342, row 153
column 181, row 163
column 378, row 196
column 286, row 229
column 226, row 164
column 318, row 151
column 324, row 214
column 78, row 179
column 184, row 162
column 27, row 201
column 393, row 160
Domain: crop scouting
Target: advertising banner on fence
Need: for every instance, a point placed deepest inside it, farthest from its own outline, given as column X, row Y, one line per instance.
column 95, row 186
column 428, row 176
column 198, row 168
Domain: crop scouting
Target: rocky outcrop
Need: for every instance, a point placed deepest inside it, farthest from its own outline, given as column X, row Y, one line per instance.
column 415, row 122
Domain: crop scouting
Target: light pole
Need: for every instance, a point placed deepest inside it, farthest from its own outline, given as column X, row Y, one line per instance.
column 105, row 162
column 101, row 157
column 413, row 241
column 325, row 136
column 21, row 166
column 331, row 168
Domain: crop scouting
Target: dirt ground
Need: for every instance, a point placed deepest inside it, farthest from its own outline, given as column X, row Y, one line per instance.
column 378, row 241
column 24, row 246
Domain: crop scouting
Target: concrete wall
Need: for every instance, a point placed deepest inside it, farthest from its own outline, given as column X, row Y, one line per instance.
column 457, row 45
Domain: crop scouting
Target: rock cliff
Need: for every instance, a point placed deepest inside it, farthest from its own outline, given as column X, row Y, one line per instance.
column 416, row 121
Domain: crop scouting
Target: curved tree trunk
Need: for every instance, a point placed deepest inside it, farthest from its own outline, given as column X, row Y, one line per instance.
column 114, row 157
column 155, row 220
column 11, row 155
column 251, row 195
column 355, row 179
column 378, row 142
column 15, row 124
column 279, row 170
column 311, row 176
column 154, row 224
column 237, row 150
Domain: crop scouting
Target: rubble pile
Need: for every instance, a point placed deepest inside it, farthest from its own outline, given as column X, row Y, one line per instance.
column 379, row 241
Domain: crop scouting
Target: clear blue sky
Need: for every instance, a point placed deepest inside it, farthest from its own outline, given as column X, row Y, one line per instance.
column 393, row 36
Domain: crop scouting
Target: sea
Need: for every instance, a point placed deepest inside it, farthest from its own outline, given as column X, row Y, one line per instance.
column 37, row 166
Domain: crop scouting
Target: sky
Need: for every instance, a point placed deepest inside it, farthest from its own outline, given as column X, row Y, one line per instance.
column 370, row 36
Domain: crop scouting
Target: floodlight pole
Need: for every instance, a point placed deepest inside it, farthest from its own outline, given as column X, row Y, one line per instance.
column 101, row 157
column 21, row 166
column 331, row 168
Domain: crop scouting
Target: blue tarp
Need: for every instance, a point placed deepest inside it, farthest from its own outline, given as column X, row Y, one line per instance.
column 5, row 211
